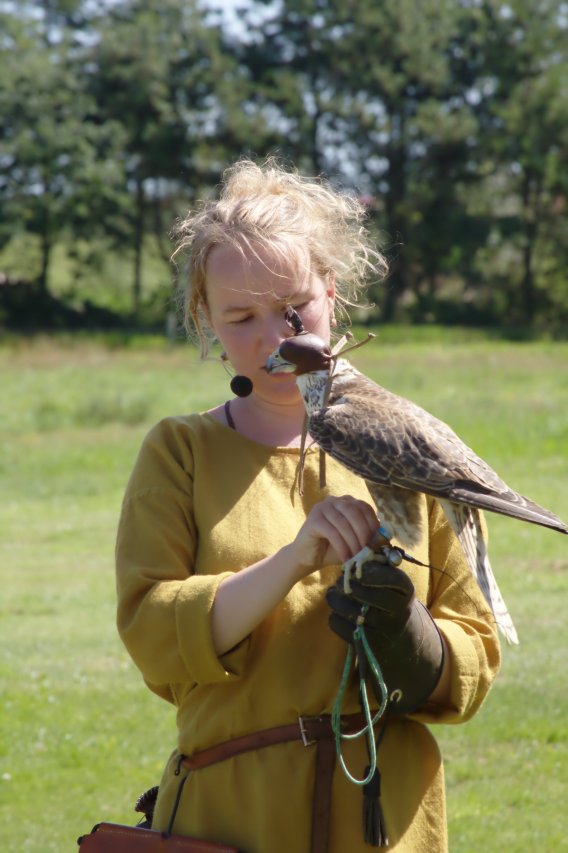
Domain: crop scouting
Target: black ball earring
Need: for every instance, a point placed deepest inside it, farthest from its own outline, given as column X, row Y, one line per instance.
column 241, row 386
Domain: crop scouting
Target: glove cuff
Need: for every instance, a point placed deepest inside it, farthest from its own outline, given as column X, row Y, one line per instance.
column 412, row 662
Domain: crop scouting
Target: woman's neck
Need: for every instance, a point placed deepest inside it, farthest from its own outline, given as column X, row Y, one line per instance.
column 276, row 425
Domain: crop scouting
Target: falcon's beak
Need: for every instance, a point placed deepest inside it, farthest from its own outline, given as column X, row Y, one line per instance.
column 276, row 364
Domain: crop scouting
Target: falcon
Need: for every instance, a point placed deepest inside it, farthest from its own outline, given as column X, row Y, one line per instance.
column 401, row 450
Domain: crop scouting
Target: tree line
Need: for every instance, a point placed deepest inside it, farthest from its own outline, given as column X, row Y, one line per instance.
column 449, row 118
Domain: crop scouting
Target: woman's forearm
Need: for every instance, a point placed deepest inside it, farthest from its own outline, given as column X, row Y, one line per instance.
column 244, row 599
column 335, row 529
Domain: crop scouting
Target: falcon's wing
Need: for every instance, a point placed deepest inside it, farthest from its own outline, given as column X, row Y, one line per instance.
column 390, row 445
column 389, row 440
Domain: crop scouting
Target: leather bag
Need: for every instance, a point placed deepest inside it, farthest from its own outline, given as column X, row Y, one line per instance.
column 117, row 838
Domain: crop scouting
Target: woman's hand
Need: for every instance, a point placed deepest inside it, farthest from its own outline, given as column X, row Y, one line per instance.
column 400, row 631
column 336, row 529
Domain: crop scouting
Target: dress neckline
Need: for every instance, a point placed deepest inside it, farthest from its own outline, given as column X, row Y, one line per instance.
column 229, row 416
column 230, row 424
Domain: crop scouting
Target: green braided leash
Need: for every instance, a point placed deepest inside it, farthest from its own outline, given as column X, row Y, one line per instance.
column 365, row 661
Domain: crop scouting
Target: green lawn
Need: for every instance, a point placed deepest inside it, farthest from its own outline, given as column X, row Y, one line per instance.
column 81, row 737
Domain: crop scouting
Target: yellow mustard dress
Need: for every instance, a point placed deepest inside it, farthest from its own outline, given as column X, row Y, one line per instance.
column 203, row 502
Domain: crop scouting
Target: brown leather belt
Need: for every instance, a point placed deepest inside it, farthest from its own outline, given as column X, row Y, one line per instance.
column 310, row 730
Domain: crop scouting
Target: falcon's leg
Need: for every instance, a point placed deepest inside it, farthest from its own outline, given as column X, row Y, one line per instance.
column 363, row 556
column 379, row 545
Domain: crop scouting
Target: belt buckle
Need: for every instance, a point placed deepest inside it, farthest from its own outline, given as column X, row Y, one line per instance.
column 304, row 733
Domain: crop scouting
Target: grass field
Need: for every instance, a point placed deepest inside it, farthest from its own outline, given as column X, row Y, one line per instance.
column 81, row 737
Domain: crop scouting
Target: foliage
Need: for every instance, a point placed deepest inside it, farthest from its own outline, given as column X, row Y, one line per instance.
column 450, row 120
column 406, row 107
column 54, row 159
column 526, row 119
column 152, row 71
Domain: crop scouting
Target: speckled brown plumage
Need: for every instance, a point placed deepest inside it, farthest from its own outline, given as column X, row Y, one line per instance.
column 400, row 450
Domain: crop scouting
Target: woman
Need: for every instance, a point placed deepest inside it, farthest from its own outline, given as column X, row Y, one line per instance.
column 223, row 567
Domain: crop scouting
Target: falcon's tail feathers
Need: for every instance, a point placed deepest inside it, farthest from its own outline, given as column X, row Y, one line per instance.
column 511, row 504
column 466, row 523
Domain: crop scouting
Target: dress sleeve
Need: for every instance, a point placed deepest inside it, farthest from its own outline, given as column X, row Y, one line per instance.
column 466, row 622
column 164, row 607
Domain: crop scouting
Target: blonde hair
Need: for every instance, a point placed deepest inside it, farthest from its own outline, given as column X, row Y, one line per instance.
column 264, row 207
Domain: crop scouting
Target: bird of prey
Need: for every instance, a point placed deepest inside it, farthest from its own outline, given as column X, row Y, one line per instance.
column 401, row 450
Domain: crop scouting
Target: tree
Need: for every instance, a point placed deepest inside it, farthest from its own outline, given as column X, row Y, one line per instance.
column 525, row 119
column 366, row 92
column 159, row 71
column 451, row 124
column 47, row 145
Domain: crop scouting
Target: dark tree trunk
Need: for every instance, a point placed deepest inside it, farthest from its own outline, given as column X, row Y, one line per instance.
column 397, row 283
column 46, row 246
column 528, row 282
column 528, row 294
column 138, row 244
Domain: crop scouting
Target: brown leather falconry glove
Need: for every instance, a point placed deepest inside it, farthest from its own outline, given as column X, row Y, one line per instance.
column 399, row 629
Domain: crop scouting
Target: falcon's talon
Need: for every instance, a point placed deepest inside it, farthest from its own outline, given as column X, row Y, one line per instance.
column 358, row 561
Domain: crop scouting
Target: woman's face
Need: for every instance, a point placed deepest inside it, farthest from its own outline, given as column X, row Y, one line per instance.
column 247, row 297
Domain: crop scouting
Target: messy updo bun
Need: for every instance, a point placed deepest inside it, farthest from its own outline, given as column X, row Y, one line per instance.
column 269, row 207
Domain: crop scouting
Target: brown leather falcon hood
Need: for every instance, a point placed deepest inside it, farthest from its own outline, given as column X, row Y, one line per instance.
column 304, row 353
